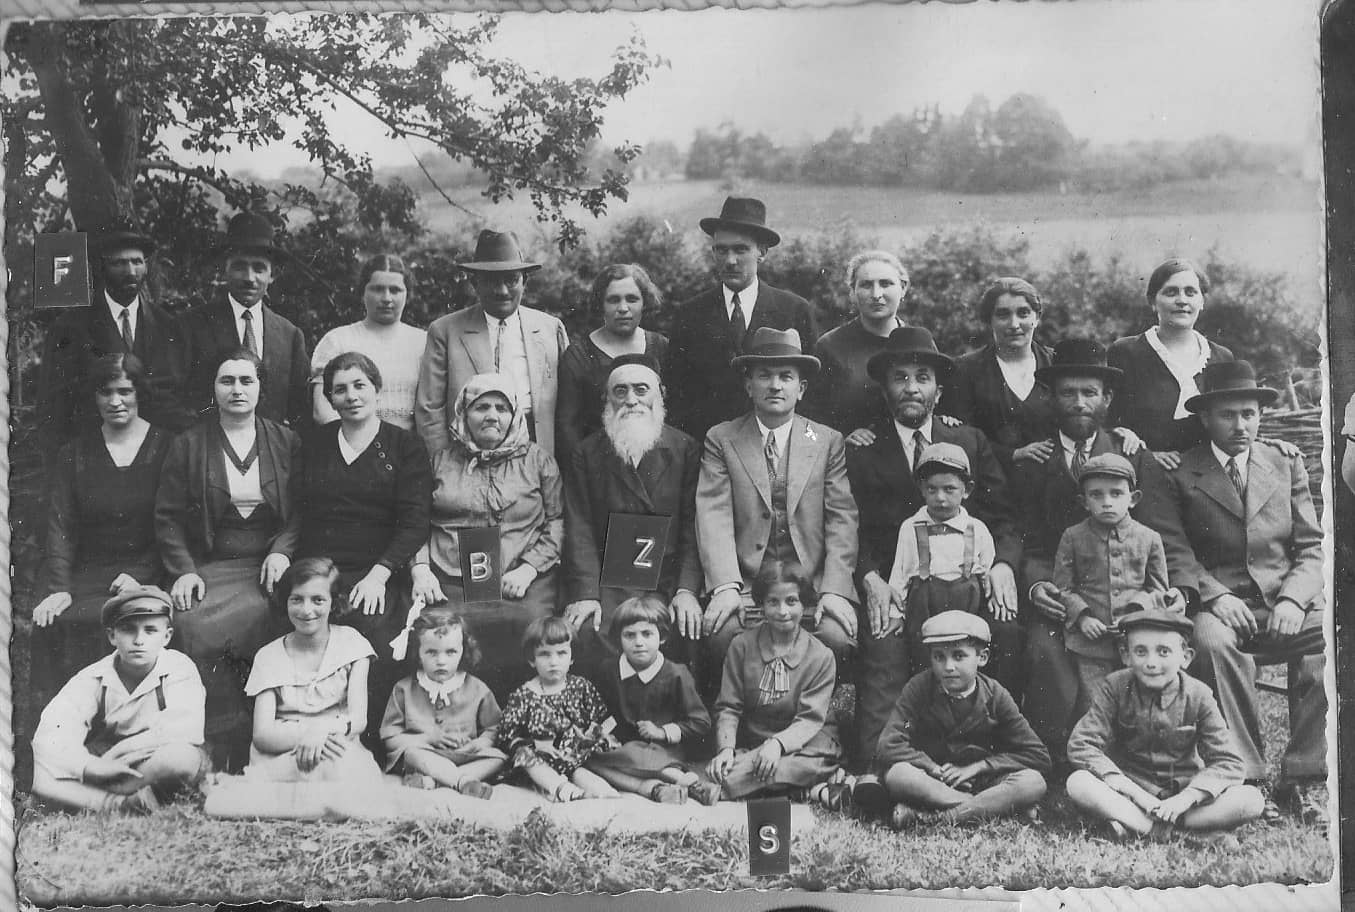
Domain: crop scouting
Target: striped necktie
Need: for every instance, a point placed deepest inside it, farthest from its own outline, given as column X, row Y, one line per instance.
column 125, row 322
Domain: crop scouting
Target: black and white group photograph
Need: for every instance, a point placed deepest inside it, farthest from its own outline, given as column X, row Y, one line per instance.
column 459, row 452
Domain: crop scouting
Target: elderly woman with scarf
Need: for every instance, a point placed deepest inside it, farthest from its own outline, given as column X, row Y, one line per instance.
column 494, row 475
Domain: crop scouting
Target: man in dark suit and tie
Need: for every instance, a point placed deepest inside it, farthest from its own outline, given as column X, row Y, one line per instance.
column 1082, row 387
column 636, row 464
column 121, row 318
column 711, row 329
column 1253, row 573
column 241, row 318
column 912, row 375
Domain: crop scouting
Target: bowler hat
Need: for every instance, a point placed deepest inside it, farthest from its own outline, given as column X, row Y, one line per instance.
column 1229, row 379
column 1079, row 358
column 946, row 455
column 776, row 346
column 250, row 232
column 953, row 626
column 906, row 345
column 745, row 214
column 1111, row 465
column 644, row 359
column 119, row 235
column 1152, row 612
column 498, row 251
column 136, row 601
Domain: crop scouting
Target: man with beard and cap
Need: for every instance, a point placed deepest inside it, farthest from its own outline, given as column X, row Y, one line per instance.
column 774, row 487
column 712, row 328
column 636, row 464
column 496, row 336
column 1251, row 566
column 240, row 318
column 1081, row 387
column 121, row 319
column 912, row 374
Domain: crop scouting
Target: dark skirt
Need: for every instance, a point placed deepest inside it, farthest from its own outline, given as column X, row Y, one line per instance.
column 641, row 759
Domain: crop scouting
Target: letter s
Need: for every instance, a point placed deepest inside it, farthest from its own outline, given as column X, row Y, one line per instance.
column 769, row 841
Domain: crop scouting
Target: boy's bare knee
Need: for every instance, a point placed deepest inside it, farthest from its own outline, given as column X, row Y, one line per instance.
column 1031, row 783
column 1080, row 784
column 183, row 763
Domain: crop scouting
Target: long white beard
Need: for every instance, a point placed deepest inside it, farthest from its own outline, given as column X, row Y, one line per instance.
column 635, row 434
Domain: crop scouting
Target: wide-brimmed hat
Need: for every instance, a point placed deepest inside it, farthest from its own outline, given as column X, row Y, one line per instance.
column 1225, row 379
column 250, row 232
column 1079, row 358
column 905, row 345
column 776, row 346
column 743, row 213
column 118, row 235
column 498, row 251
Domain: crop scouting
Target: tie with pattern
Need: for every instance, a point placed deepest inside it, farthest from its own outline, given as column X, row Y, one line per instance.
column 770, row 451
column 498, row 343
column 251, row 341
column 1235, row 476
column 919, row 444
column 125, row 321
column 737, row 325
column 1080, row 457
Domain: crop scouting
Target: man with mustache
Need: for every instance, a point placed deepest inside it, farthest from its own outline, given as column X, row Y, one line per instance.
column 122, row 318
column 712, row 328
column 240, row 318
column 912, row 375
column 496, row 336
column 1251, row 566
column 636, row 464
column 1082, row 387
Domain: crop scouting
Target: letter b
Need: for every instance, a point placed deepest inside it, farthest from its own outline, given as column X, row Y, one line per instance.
column 480, row 566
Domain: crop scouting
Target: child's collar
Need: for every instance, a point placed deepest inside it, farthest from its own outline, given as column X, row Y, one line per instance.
column 645, row 674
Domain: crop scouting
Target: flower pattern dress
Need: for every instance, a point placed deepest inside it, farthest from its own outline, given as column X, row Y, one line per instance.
column 562, row 730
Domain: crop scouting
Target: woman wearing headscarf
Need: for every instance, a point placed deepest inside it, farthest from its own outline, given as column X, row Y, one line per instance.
column 493, row 475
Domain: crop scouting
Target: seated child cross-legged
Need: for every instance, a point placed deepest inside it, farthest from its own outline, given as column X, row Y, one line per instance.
column 125, row 733
column 553, row 724
column 944, row 554
column 956, row 748
column 1104, row 566
column 658, row 712
column 441, row 722
column 1154, row 751
column 770, row 718
column 310, row 689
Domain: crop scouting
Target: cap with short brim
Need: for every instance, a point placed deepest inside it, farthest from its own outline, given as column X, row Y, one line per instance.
column 136, row 601
column 1108, row 465
column 954, row 626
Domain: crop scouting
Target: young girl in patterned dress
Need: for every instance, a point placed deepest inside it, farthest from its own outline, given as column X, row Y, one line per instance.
column 553, row 723
column 441, row 721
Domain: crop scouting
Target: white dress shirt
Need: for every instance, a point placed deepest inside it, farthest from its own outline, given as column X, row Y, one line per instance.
column 512, row 354
column 1240, row 460
column 747, row 298
column 255, row 317
column 1069, row 446
column 116, row 310
column 907, row 434
column 782, row 435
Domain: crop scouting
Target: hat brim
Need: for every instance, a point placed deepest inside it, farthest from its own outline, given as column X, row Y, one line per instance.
column 882, row 361
column 1047, row 375
column 1183, row 627
column 808, row 364
column 953, row 638
column 762, row 232
column 500, row 266
column 1262, row 394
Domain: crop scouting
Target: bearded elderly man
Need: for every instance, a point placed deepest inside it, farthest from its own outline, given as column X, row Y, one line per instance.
column 639, row 465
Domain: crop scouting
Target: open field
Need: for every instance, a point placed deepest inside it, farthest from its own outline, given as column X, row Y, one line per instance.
column 1272, row 222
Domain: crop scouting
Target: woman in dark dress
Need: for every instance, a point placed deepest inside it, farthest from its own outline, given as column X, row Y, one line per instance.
column 494, row 475
column 363, row 494
column 100, row 521
column 622, row 294
column 227, row 529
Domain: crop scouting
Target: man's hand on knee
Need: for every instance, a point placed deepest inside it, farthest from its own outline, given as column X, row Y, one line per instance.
column 1234, row 613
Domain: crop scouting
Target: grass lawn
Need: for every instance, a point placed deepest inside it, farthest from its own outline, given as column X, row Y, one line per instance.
column 178, row 855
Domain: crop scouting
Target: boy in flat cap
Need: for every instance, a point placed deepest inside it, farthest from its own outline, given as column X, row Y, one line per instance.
column 1154, row 751
column 1103, row 563
column 125, row 732
column 956, row 749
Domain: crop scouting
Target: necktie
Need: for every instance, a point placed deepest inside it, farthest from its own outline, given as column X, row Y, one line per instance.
column 251, row 342
column 498, row 343
column 126, row 322
column 1079, row 458
column 1235, row 476
column 919, row 444
column 737, row 325
column 771, row 453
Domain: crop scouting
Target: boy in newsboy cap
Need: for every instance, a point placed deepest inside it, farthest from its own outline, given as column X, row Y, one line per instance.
column 1154, row 751
column 956, row 748
column 125, row 732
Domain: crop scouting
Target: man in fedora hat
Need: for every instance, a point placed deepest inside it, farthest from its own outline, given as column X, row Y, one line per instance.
column 1082, row 387
column 712, row 328
column 1251, row 566
column 498, row 335
column 773, row 487
column 240, row 319
column 121, row 319
column 912, row 374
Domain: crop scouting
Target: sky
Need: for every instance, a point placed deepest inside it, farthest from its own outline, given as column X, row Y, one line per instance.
column 1117, row 70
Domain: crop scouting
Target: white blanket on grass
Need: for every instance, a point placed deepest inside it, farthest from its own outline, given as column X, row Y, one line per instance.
column 234, row 797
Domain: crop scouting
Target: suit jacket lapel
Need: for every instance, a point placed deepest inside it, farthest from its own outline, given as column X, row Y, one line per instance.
column 534, row 345
column 275, row 344
column 748, row 447
column 1262, row 480
column 1211, row 480
column 474, row 334
column 804, row 450
column 893, row 464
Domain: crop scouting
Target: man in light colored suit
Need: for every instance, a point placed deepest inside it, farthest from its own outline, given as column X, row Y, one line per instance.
column 773, row 486
column 1251, row 564
column 498, row 335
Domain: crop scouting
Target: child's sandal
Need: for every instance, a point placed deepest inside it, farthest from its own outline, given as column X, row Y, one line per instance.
column 474, row 788
column 707, row 793
column 665, row 793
